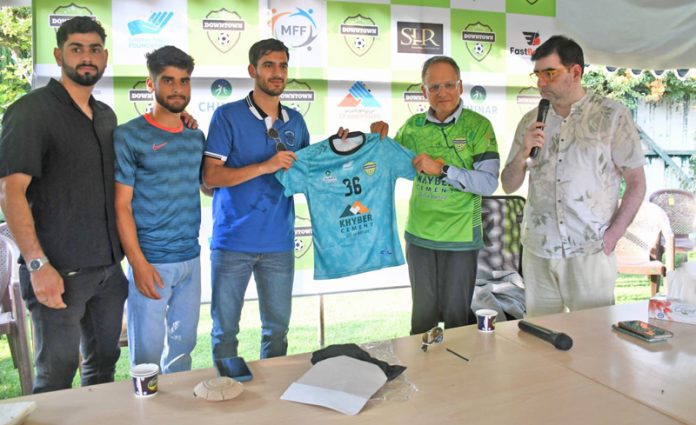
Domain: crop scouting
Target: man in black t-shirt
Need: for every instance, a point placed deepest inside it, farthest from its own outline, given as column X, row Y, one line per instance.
column 57, row 193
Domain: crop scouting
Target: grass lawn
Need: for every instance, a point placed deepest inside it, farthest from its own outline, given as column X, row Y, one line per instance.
column 355, row 317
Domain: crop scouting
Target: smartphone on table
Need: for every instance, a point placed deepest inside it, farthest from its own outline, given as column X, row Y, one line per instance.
column 234, row 367
column 643, row 330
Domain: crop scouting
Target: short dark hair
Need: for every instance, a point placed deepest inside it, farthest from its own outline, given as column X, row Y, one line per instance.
column 264, row 47
column 78, row 25
column 439, row 59
column 566, row 48
column 165, row 56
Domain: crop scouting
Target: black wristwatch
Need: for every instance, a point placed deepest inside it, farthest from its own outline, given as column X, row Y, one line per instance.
column 444, row 170
column 36, row 264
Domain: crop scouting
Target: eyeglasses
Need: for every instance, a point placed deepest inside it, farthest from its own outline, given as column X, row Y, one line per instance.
column 548, row 74
column 447, row 86
column 273, row 134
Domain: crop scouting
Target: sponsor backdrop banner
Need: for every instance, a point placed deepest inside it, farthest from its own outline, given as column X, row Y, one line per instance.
column 351, row 63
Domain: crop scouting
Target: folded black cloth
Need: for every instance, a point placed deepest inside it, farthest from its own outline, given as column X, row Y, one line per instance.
column 352, row 350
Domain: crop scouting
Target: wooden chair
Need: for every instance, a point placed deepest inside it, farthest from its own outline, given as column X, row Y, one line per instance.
column 680, row 206
column 13, row 316
column 635, row 251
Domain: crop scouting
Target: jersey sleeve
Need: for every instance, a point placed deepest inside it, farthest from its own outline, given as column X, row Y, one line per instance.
column 295, row 178
column 125, row 163
column 23, row 143
column 401, row 159
column 220, row 141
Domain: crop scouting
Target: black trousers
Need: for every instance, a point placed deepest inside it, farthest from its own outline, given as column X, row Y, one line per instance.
column 91, row 324
column 442, row 287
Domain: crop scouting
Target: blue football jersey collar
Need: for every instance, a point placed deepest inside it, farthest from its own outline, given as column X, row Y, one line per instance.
column 354, row 141
column 259, row 114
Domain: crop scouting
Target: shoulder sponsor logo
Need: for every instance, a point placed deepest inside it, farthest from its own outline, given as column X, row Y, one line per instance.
column 347, row 166
column 359, row 95
column 532, row 39
column 329, row 177
column 359, row 33
column 297, row 29
column 140, row 97
column 156, row 147
column 63, row 13
column 153, row 25
column 223, row 28
column 419, row 37
column 478, row 39
column 370, row 168
column 298, row 95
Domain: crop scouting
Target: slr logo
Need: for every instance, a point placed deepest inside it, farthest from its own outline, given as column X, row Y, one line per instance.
column 419, row 37
column 296, row 29
column 359, row 33
column 532, row 39
column 140, row 97
column 479, row 39
column 298, row 95
column 223, row 28
column 63, row 13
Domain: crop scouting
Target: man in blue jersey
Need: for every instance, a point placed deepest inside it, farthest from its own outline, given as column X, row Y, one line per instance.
column 248, row 141
column 158, row 165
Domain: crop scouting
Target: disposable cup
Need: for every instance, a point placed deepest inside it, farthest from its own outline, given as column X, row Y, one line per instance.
column 485, row 319
column 145, row 379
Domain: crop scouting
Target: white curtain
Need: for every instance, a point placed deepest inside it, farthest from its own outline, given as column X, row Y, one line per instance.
column 647, row 34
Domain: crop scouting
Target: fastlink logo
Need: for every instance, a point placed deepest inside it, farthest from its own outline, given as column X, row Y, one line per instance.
column 63, row 13
column 532, row 39
column 419, row 37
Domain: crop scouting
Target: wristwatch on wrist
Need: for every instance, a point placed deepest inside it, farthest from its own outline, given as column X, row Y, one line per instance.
column 444, row 170
column 36, row 264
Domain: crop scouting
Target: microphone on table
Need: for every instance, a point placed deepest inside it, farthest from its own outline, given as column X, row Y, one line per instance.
column 541, row 117
column 557, row 339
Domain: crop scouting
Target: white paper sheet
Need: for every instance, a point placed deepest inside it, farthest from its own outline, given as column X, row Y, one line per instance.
column 341, row 383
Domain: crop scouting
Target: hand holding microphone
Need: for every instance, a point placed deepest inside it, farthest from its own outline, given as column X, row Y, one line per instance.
column 557, row 339
column 542, row 111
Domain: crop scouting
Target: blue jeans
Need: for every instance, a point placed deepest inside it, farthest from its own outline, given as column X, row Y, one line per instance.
column 273, row 273
column 164, row 331
column 91, row 325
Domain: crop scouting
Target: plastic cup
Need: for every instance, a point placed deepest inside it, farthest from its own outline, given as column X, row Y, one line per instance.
column 485, row 319
column 145, row 379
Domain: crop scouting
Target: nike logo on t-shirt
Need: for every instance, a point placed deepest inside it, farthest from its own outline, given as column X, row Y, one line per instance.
column 158, row 147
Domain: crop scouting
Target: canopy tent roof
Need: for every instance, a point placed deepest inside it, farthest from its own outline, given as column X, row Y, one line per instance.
column 645, row 34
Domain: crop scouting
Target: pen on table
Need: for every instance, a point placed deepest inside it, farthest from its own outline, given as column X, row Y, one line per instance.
column 457, row 354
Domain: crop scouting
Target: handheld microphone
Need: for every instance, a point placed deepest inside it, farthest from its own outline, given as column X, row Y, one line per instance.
column 541, row 117
column 558, row 340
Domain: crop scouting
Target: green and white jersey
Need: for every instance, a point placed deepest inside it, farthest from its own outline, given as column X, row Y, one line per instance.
column 445, row 213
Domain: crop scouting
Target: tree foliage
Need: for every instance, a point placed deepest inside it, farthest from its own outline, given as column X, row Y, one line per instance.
column 15, row 54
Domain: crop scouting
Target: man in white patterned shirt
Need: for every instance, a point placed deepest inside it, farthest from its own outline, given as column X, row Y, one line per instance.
column 572, row 219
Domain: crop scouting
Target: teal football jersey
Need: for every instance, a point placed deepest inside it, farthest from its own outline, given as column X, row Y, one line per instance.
column 349, row 186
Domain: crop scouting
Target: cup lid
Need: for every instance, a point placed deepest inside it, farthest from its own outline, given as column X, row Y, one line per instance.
column 145, row 369
column 486, row 312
